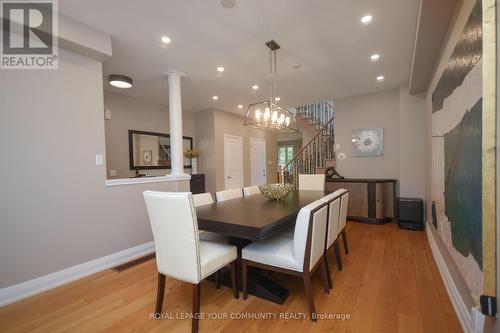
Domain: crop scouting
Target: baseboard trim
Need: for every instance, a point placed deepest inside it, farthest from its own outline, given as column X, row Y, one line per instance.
column 38, row 285
column 463, row 313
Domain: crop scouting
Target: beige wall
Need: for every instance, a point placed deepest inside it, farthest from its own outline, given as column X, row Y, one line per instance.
column 55, row 209
column 211, row 125
column 412, row 148
column 205, row 141
column 403, row 118
column 366, row 111
column 130, row 113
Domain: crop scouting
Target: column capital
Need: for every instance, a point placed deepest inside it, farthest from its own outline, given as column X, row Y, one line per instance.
column 174, row 73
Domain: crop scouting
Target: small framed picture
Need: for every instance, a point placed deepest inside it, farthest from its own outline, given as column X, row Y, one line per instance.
column 368, row 142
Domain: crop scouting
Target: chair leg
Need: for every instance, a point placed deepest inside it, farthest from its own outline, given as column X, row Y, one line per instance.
column 196, row 307
column 337, row 255
column 325, row 276
column 330, row 281
column 309, row 295
column 245, row 277
column 217, row 279
column 233, row 280
column 160, row 293
column 344, row 238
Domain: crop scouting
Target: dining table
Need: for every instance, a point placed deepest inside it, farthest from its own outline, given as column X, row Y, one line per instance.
column 252, row 219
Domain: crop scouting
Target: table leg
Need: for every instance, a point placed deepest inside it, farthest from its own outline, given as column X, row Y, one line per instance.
column 259, row 285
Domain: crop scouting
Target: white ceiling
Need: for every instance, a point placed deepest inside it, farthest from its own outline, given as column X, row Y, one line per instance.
column 324, row 36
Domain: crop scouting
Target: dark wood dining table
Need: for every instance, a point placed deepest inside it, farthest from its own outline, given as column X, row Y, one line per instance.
column 255, row 218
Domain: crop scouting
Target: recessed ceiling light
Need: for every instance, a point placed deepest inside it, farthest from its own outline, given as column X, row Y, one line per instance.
column 215, row 98
column 228, row 3
column 120, row 81
column 278, row 99
column 380, row 78
column 166, row 40
column 375, row 57
column 367, row 19
column 220, row 69
column 240, row 106
column 255, row 87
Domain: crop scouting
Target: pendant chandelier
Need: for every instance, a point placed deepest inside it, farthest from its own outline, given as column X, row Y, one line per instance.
column 268, row 115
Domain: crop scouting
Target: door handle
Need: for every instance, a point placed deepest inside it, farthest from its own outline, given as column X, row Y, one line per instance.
column 229, row 177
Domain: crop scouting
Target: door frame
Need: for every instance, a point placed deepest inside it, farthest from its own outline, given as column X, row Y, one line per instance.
column 240, row 138
column 252, row 140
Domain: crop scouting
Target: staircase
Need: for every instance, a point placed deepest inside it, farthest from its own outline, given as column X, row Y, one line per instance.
column 319, row 153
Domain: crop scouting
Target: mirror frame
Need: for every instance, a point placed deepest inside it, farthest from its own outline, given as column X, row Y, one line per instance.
column 131, row 150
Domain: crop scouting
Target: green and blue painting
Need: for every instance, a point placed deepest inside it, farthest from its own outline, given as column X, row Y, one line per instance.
column 463, row 183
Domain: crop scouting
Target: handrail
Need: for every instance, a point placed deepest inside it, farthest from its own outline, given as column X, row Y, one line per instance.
column 310, row 141
column 315, row 152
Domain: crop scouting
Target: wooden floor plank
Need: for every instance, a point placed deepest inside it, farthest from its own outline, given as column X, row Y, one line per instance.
column 390, row 283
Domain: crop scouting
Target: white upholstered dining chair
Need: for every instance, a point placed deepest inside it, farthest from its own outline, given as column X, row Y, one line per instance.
column 203, row 199
column 298, row 256
column 251, row 190
column 179, row 252
column 343, row 219
column 228, row 194
column 314, row 182
column 334, row 202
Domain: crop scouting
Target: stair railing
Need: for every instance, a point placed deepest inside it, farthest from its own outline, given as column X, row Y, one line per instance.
column 320, row 148
column 318, row 113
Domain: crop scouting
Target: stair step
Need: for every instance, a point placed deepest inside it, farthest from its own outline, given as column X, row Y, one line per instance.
column 330, row 162
column 321, row 170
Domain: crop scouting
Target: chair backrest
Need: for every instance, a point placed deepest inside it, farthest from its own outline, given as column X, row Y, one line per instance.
column 175, row 232
column 333, row 227
column 251, row 190
column 202, row 199
column 312, row 182
column 343, row 210
column 228, row 194
column 310, row 229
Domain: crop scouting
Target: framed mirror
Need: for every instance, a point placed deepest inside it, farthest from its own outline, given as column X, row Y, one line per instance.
column 151, row 150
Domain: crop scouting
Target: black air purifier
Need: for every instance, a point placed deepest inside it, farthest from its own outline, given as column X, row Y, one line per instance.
column 410, row 213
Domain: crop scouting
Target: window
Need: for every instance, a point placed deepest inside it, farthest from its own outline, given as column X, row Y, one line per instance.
column 285, row 155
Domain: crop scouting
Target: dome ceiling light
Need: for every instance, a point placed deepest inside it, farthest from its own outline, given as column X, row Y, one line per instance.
column 120, row 81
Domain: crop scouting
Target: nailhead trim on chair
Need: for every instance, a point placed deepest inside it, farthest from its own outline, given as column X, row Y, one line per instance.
column 196, row 235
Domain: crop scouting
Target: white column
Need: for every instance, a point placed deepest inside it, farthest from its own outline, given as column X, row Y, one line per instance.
column 175, row 116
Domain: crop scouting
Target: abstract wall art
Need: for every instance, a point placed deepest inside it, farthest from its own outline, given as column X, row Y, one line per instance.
column 367, row 142
column 461, row 157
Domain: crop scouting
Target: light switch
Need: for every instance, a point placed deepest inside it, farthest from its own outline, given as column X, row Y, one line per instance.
column 107, row 114
column 99, row 159
column 337, row 146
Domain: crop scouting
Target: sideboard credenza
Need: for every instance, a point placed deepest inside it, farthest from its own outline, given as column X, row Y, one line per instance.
column 370, row 200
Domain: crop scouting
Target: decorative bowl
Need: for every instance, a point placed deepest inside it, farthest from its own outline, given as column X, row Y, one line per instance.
column 275, row 191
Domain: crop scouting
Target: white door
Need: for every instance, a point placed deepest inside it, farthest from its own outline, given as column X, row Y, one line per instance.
column 233, row 161
column 258, row 161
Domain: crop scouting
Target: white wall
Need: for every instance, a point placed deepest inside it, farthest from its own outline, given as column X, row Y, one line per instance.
column 55, row 209
column 131, row 113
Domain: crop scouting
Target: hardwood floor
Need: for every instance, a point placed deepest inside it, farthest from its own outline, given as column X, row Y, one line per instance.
column 389, row 283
